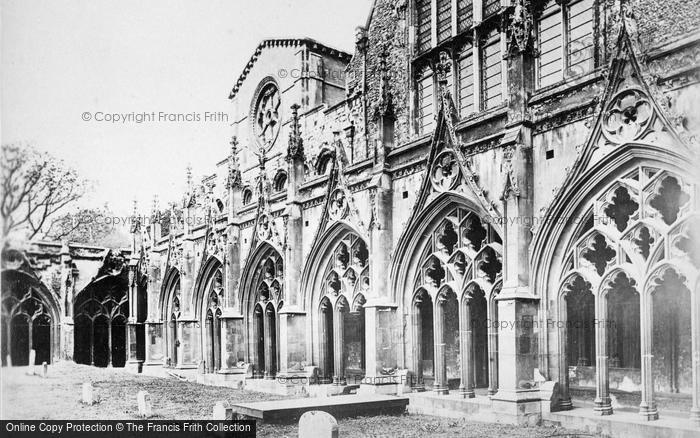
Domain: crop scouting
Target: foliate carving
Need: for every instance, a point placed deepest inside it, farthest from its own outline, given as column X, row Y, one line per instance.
column 445, row 172
column 627, row 116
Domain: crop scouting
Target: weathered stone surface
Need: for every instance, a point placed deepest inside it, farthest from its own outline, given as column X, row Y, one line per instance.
column 88, row 394
column 222, row 411
column 318, row 424
column 144, row 404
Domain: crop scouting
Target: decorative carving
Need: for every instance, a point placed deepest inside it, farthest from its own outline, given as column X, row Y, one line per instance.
column 295, row 149
column 234, row 180
column 267, row 115
column 520, row 28
column 264, row 228
column 338, row 207
column 627, row 116
column 445, row 171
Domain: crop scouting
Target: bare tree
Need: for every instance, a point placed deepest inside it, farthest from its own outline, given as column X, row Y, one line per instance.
column 36, row 187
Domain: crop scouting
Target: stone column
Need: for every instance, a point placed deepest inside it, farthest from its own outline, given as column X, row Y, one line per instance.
column 695, row 348
column 339, row 344
column 466, row 387
column 602, row 402
column 563, row 363
column 492, row 331
column 258, row 362
column 269, row 316
column 417, row 384
column 325, row 333
column 440, row 384
column 647, row 407
column 381, row 326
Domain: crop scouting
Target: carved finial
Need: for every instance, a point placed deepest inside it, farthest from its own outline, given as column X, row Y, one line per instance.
column 520, row 28
column 234, row 172
column 296, row 144
column 361, row 38
column 442, row 68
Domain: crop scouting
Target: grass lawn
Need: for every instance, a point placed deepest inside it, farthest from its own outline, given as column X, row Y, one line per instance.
column 58, row 398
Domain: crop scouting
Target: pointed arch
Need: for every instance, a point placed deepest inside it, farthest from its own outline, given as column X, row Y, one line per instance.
column 30, row 318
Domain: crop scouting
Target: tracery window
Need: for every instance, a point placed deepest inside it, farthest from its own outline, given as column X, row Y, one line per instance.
column 631, row 257
column 565, row 41
column 455, row 284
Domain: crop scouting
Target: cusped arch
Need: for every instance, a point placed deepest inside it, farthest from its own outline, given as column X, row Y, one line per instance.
column 406, row 256
column 202, row 285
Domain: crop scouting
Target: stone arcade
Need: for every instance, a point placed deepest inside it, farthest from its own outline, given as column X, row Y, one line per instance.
column 489, row 198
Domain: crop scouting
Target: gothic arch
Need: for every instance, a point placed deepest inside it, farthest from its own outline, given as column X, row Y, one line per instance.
column 261, row 297
column 101, row 311
column 208, row 301
column 643, row 202
column 30, row 319
column 170, row 305
column 449, row 247
column 337, row 271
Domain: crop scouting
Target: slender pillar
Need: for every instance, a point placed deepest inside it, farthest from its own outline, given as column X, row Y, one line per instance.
column 602, row 402
column 440, row 385
column 492, row 331
column 418, row 383
column 466, row 388
column 647, row 407
column 565, row 402
column 338, row 344
column 269, row 344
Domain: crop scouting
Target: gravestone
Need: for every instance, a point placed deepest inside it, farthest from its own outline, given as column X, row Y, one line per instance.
column 44, row 369
column 318, row 424
column 144, row 402
column 222, row 411
column 201, row 368
column 88, row 394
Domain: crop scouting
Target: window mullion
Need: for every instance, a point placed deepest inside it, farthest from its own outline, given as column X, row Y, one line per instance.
column 564, row 40
column 476, row 65
column 433, row 23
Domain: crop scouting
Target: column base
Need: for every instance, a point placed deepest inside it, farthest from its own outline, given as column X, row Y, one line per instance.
column 648, row 412
column 565, row 404
column 467, row 393
column 441, row 390
column 603, row 407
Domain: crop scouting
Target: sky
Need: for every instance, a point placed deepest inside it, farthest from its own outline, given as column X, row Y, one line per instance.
column 63, row 61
